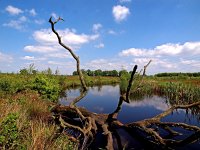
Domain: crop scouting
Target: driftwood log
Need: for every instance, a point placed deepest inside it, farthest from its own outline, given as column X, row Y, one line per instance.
column 85, row 126
column 94, row 131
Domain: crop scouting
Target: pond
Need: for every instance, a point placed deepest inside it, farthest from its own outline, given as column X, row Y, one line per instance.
column 104, row 99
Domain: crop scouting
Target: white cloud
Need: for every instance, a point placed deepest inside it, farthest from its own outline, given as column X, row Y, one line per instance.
column 47, row 42
column 54, row 15
column 96, row 27
column 169, row 49
column 13, row 24
column 5, row 58
column 100, row 45
column 32, row 58
column 193, row 63
column 120, row 13
column 32, row 12
column 69, row 37
column 124, row 1
column 106, row 64
column 112, row 32
column 56, row 63
column 136, row 52
column 168, row 57
column 13, row 10
column 40, row 48
column 23, row 19
column 28, row 57
column 39, row 21
column 16, row 24
column 59, row 55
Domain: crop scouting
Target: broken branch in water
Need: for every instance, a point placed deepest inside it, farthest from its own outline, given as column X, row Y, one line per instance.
column 108, row 123
column 89, row 124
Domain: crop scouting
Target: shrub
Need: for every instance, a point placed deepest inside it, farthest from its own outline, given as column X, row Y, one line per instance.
column 9, row 134
column 5, row 85
column 47, row 87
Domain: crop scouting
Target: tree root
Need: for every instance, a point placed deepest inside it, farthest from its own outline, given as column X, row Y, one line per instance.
column 90, row 123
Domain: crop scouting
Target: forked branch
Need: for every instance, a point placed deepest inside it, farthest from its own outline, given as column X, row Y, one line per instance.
column 71, row 52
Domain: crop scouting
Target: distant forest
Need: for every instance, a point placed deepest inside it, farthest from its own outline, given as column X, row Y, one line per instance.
column 175, row 74
column 116, row 73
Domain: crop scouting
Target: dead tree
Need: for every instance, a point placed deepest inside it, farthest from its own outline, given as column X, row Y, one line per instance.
column 88, row 125
column 71, row 52
column 83, row 126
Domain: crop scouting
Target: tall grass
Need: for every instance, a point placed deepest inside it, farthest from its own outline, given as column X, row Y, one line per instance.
column 177, row 92
column 26, row 123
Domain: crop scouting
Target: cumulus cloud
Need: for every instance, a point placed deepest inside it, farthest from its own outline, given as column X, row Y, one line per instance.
column 39, row 21
column 32, row 12
column 28, row 57
column 112, row 32
column 22, row 22
column 106, row 64
column 169, row 49
column 168, row 57
column 13, row 10
column 40, row 48
column 47, row 44
column 45, row 36
column 100, row 45
column 16, row 24
column 54, row 15
column 96, row 27
column 32, row 58
column 66, row 65
column 120, row 13
column 59, row 55
column 193, row 63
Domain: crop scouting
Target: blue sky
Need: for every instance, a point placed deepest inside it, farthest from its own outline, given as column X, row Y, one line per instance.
column 105, row 34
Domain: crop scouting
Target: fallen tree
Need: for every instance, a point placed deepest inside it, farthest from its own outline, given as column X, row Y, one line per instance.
column 87, row 125
column 88, row 128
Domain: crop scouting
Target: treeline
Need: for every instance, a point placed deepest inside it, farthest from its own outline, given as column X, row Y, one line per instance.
column 99, row 72
column 176, row 74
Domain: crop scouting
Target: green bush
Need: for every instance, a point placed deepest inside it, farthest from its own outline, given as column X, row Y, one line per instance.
column 10, row 84
column 9, row 134
column 5, row 85
column 48, row 87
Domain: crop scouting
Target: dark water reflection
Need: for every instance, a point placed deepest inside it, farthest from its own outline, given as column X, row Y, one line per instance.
column 104, row 99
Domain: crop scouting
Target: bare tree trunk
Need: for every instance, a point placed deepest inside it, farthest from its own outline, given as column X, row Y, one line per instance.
column 88, row 124
column 71, row 52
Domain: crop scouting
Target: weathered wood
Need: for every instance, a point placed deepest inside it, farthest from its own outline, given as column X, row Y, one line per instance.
column 89, row 124
column 71, row 52
column 108, row 123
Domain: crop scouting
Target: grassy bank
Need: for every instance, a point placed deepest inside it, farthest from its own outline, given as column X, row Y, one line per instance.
column 26, row 123
column 177, row 90
column 25, row 102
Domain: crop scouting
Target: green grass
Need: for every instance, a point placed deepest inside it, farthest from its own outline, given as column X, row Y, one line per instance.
column 26, row 123
column 25, row 103
column 175, row 90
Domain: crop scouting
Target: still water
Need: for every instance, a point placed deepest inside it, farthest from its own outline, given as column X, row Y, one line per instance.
column 104, row 99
